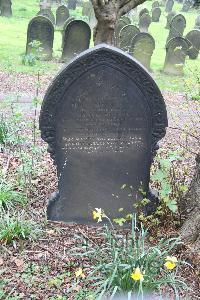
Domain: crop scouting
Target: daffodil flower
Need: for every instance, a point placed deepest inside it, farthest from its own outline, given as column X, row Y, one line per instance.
column 137, row 275
column 79, row 273
column 98, row 214
column 171, row 262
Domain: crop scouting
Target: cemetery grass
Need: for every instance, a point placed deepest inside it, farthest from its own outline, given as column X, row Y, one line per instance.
column 37, row 265
column 13, row 43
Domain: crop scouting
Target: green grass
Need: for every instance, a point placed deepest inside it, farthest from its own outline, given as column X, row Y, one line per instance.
column 13, row 43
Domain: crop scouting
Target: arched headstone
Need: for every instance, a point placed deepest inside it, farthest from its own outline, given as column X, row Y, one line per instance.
column 193, row 37
column 41, row 29
column 155, row 4
column 102, row 117
column 144, row 22
column 126, row 35
column 197, row 22
column 143, row 45
column 72, row 4
column 186, row 5
column 126, row 19
column 64, row 28
column 176, row 52
column 177, row 26
column 169, row 18
column 48, row 14
column 118, row 27
column 156, row 13
column 169, row 5
column 143, row 11
column 76, row 39
column 62, row 14
column 6, row 8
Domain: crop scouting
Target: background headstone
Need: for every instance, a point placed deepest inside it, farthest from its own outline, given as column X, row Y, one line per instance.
column 86, row 8
column 126, row 35
column 41, row 29
column 62, row 14
column 6, row 8
column 176, row 52
column 186, row 6
column 126, row 19
column 46, row 12
column 155, row 4
column 72, row 4
column 118, row 27
column 143, row 11
column 169, row 18
column 193, row 37
column 143, row 45
column 177, row 26
column 102, row 117
column 197, row 23
column 144, row 22
column 64, row 28
column 156, row 13
column 76, row 39
column 169, row 5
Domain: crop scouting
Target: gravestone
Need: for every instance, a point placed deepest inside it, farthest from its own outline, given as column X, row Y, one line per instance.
column 45, row 4
column 126, row 35
column 155, row 4
column 143, row 45
column 126, row 20
column 41, row 29
column 156, row 13
column 177, row 26
column 197, row 22
column 86, row 8
column 176, row 52
column 169, row 18
column 118, row 27
column 102, row 117
column 64, row 28
column 144, row 22
column 163, row 3
column 143, row 11
column 169, row 5
column 72, row 4
column 6, row 8
column 48, row 14
column 76, row 39
column 62, row 14
column 186, row 6
column 193, row 37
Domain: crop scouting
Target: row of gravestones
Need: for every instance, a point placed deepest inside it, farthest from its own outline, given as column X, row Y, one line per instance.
column 187, row 4
column 71, row 4
column 62, row 14
column 6, row 8
column 76, row 37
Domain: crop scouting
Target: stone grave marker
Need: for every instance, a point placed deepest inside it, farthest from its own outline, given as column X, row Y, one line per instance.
column 197, row 22
column 193, row 37
column 76, row 39
column 102, row 118
column 169, row 18
column 156, row 13
column 126, row 19
column 176, row 52
column 118, row 27
column 46, row 12
column 144, row 22
column 177, row 26
column 64, row 28
column 86, row 8
column 126, row 35
column 169, row 5
column 6, row 8
column 45, row 4
column 72, row 4
column 62, row 14
column 143, row 11
column 186, row 6
column 155, row 4
column 41, row 29
column 143, row 45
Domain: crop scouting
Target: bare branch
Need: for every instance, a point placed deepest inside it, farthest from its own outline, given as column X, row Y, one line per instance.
column 126, row 6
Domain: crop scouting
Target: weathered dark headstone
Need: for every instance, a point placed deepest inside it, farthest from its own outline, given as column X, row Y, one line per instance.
column 41, row 29
column 143, row 45
column 155, row 4
column 177, row 26
column 197, row 22
column 143, row 11
column 64, row 28
column 102, row 117
column 72, row 4
column 144, row 22
column 62, row 14
column 118, row 27
column 176, row 52
column 169, row 5
column 48, row 14
column 76, row 39
column 193, row 37
column 126, row 35
column 156, row 13
column 169, row 18
column 6, row 8
column 186, row 6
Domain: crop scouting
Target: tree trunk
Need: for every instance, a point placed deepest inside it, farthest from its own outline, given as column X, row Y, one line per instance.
column 190, row 231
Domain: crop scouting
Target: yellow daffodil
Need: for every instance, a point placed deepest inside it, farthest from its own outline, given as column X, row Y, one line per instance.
column 137, row 275
column 98, row 214
column 79, row 273
column 171, row 262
